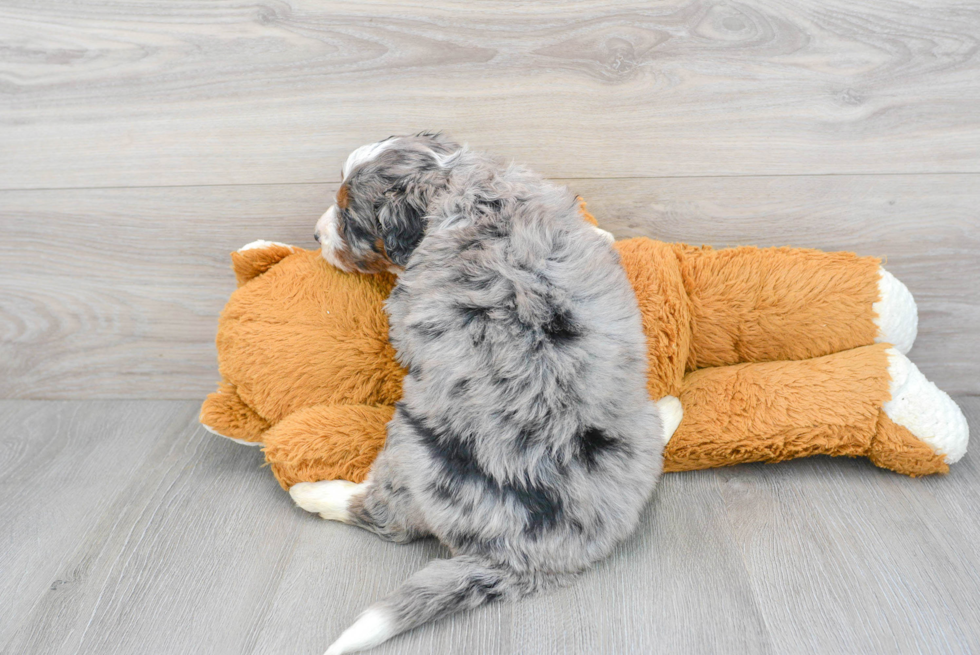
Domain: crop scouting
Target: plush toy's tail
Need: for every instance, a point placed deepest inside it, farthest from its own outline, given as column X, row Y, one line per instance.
column 443, row 587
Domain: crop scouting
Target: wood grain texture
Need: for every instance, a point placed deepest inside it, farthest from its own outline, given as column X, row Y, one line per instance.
column 115, row 293
column 876, row 564
column 140, row 520
column 125, row 526
column 205, row 92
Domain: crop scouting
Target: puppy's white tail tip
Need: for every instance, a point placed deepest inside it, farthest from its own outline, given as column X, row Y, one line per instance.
column 373, row 627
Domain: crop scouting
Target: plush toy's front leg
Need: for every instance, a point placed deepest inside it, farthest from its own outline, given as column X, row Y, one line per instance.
column 773, row 304
column 326, row 442
column 869, row 401
column 225, row 414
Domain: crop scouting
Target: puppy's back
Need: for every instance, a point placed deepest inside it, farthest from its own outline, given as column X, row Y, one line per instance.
column 526, row 392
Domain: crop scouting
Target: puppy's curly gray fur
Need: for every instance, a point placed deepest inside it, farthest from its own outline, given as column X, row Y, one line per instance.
column 526, row 440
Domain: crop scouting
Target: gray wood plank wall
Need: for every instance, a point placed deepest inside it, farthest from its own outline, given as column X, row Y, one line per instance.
column 140, row 143
column 115, row 293
column 226, row 92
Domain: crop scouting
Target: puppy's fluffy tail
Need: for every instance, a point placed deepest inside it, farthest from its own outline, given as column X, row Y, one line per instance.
column 443, row 587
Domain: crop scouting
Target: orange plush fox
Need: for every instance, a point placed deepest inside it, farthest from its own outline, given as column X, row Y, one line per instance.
column 754, row 355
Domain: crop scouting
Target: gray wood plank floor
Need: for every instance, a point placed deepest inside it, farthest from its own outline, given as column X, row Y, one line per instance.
column 125, row 528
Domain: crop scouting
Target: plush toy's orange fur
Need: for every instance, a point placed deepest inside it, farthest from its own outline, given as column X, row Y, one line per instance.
column 771, row 352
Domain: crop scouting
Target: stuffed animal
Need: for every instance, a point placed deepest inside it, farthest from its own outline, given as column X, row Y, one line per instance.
column 754, row 355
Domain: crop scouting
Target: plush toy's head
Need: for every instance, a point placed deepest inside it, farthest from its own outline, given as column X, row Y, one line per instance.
column 300, row 332
column 296, row 333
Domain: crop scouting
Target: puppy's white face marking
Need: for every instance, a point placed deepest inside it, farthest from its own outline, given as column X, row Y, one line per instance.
column 329, row 498
column 365, row 154
column 331, row 243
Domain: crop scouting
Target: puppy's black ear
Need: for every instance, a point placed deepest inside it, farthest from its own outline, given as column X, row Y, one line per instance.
column 402, row 220
column 418, row 177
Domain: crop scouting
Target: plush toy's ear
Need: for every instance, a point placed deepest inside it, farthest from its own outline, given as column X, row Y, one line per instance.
column 589, row 218
column 257, row 257
column 585, row 212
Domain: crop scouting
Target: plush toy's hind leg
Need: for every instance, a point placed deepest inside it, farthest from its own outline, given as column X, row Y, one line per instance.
column 869, row 401
column 774, row 304
column 226, row 415
column 919, row 423
column 326, row 442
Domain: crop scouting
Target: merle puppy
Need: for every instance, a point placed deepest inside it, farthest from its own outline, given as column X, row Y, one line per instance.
column 525, row 441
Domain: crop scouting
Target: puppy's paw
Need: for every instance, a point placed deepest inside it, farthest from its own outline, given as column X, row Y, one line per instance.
column 671, row 414
column 328, row 498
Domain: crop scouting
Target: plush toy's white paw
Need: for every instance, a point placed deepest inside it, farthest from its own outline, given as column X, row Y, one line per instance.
column 924, row 409
column 255, row 245
column 328, row 498
column 241, row 441
column 895, row 314
column 370, row 629
column 671, row 414
column 608, row 236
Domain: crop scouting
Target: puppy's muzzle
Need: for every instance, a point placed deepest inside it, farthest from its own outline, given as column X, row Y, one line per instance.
column 332, row 245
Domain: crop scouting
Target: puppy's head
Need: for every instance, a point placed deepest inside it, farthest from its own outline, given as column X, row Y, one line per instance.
column 379, row 217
